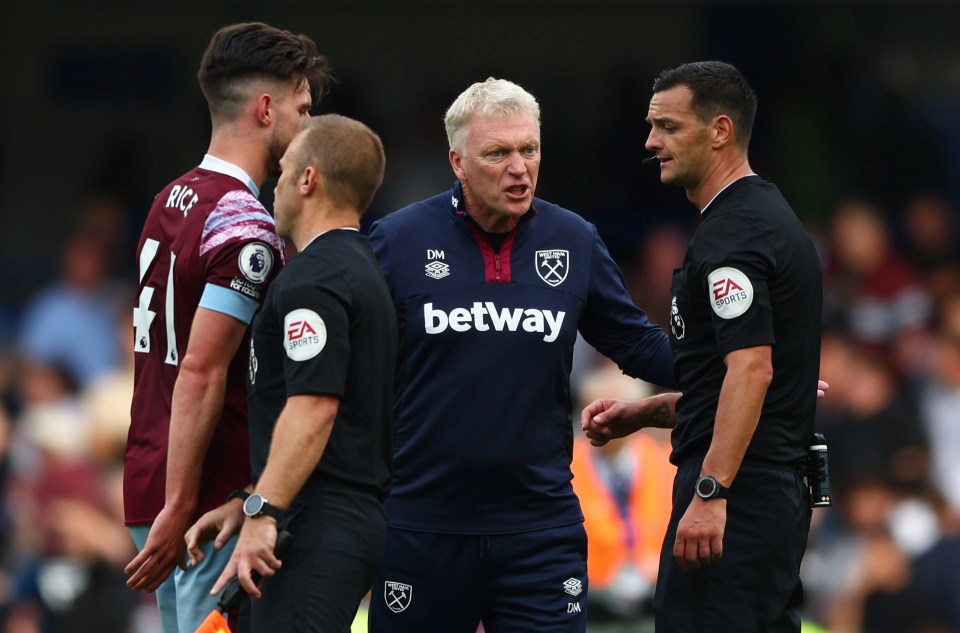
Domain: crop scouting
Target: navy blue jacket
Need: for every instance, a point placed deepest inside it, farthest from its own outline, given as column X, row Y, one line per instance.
column 484, row 438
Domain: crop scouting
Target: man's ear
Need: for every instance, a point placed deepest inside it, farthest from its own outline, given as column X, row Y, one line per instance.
column 721, row 130
column 265, row 109
column 456, row 161
column 310, row 181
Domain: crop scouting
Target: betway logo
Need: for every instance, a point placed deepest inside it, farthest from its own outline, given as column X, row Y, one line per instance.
column 483, row 316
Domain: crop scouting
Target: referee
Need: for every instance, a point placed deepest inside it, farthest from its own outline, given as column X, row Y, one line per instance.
column 745, row 334
column 322, row 361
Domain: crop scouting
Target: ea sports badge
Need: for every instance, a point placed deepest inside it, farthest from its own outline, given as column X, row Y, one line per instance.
column 304, row 334
column 731, row 292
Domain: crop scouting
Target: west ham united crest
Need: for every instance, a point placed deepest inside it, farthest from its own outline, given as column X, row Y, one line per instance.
column 397, row 595
column 552, row 266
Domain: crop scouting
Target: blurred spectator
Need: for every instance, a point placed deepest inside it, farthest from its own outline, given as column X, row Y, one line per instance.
column 872, row 427
column 940, row 409
column 930, row 235
column 899, row 572
column 625, row 494
column 70, row 543
column 661, row 253
column 72, row 323
column 107, row 401
column 870, row 288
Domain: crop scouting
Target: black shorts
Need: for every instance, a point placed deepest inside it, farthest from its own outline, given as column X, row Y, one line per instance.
column 756, row 586
column 338, row 541
column 529, row 582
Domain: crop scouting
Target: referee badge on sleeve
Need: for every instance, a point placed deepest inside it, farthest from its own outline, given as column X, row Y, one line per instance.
column 304, row 334
column 731, row 292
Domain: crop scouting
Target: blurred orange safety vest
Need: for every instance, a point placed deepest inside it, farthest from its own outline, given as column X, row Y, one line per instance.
column 649, row 505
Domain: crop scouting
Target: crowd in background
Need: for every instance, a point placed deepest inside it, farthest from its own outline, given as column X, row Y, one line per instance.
column 882, row 559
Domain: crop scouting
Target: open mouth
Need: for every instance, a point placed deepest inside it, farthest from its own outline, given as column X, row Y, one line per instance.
column 517, row 191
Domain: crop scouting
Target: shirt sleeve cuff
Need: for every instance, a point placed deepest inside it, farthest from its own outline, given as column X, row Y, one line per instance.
column 229, row 302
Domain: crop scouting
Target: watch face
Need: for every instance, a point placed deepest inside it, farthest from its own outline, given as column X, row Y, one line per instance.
column 253, row 505
column 707, row 487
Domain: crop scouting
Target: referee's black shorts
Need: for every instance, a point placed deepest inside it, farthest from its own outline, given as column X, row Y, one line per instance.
column 755, row 587
column 338, row 543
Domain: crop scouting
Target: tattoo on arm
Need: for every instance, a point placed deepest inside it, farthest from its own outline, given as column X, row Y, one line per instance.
column 660, row 416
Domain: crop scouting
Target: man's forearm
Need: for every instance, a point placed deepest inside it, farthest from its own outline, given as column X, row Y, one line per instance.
column 195, row 411
column 299, row 440
column 659, row 411
column 738, row 411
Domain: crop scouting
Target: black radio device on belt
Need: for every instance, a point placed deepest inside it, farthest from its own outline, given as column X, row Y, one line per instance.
column 817, row 472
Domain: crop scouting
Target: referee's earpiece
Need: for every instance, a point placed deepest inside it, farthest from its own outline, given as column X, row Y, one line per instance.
column 649, row 160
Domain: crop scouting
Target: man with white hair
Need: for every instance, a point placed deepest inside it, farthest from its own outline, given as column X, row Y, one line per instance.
column 491, row 286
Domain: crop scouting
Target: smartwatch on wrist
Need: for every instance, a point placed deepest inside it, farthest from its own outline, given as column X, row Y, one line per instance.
column 255, row 506
column 709, row 488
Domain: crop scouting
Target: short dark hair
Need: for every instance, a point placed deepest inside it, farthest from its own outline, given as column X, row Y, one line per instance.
column 348, row 154
column 717, row 88
column 254, row 50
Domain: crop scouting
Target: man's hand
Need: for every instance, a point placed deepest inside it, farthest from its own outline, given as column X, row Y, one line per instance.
column 700, row 534
column 253, row 553
column 218, row 524
column 822, row 388
column 164, row 550
column 605, row 419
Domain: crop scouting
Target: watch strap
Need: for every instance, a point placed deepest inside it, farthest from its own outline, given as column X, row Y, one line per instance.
column 270, row 510
column 239, row 493
column 719, row 490
column 265, row 508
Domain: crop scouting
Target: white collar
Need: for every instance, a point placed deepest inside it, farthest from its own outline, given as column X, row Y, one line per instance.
column 212, row 163
column 706, row 206
column 338, row 228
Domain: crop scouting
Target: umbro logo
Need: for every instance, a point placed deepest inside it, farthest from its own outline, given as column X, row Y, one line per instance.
column 437, row 270
column 572, row 586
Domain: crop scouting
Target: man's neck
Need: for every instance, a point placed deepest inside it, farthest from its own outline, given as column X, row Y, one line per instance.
column 323, row 220
column 242, row 148
column 487, row 219
column 717, row 178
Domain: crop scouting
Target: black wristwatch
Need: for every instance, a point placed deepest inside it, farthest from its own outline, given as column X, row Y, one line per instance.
column 709, row 488
column 256, row 506
column 239, row 493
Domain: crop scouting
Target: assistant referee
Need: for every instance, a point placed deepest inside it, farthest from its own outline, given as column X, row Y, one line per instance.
column 322, row 361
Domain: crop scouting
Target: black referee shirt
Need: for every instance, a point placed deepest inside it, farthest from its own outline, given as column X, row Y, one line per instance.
column 751, row 277
column 328, row 327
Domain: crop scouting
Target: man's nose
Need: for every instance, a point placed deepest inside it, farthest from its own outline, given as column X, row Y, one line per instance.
column 653, row 141
column 516, row 164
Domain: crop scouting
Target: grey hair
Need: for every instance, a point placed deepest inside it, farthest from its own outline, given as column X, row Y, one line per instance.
column 493, row 97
